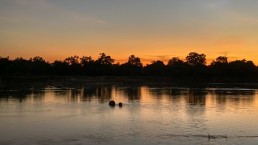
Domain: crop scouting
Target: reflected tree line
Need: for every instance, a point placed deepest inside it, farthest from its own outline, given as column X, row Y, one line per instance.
column 198, row 96
column 194, row 65
column 103, row 94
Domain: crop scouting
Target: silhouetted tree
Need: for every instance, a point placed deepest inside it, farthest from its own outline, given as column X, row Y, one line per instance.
column 105, row 59
column 20, row 66
column 73, row 65
column 195, row 59
column 38, row 59
column 104, row 65
column 219, row 67
column 155, row 68
column 175, row 61
column 60, row 67
column 39, row 66
column 134, row 61
column 221, row 60
column 241, row 68
column 4, row 64
column 87, row 64
column 132, row 67
column 86, row 60
column 196, row 64
column 72, row 60
column 177, row 67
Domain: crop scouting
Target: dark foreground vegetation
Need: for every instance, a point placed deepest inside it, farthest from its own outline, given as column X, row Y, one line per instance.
column 194, row 66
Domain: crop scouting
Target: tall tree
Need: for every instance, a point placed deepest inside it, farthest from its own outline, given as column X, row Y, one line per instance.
column 177, row 67
column 241, row 68
column 39, row 66
column 134, row 61
column 155, row 68
column 37, row 59
column 196, row 59
column 220, row 67
column 5, row 62
column 220, row 60
column 197, row 67
column 85, row 60
column 175, row 61
column 60, row 67
column 87, row 64
column 104, row 65
column 132, row 67
column 105, row 59
column 72, row 60
column 74, row 67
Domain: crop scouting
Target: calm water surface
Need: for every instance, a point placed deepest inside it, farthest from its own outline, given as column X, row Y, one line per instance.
column 79, row 115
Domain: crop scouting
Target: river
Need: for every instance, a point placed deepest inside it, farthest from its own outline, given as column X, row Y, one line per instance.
column 151, row 114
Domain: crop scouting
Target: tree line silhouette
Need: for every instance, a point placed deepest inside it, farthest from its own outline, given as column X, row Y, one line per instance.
column 194, row 65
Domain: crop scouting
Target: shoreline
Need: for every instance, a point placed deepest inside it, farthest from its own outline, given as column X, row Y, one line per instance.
column 129, row 80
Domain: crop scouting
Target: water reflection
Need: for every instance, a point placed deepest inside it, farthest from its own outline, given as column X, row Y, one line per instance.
column 236, row 96
column 104, row 93
column 152, row 114
column 197, row 97
column 133, row 93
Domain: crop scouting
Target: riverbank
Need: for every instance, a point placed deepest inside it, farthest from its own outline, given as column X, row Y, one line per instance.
column 129, row 80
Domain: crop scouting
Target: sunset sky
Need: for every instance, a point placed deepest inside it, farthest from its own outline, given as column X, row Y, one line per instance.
column 149, row 29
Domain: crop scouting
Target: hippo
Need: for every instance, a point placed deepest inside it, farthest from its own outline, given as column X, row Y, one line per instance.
column 112, row 103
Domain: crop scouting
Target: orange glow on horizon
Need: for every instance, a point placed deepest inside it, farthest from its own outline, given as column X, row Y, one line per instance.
column 145, row 59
